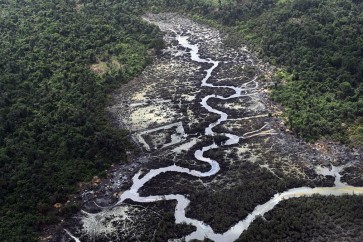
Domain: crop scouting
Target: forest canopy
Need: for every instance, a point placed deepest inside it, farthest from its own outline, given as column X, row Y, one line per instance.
column 58, row 61
column 317, row 43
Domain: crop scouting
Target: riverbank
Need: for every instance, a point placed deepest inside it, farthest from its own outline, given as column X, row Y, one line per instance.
column 209, row 143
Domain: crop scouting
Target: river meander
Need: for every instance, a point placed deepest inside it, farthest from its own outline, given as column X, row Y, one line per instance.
column 188, row 45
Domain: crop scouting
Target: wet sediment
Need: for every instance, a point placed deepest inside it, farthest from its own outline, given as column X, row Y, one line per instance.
column 201, row 96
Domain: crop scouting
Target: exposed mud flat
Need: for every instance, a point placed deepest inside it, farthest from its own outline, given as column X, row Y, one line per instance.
column 209, row 137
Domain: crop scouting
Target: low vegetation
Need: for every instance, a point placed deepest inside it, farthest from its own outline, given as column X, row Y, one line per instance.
column 317, row 43
column 310, row 219
column 60, row 59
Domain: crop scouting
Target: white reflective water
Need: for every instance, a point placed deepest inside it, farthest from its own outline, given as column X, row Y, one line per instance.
column 203, row 230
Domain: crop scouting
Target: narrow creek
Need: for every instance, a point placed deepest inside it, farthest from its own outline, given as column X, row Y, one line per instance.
column 204, row 230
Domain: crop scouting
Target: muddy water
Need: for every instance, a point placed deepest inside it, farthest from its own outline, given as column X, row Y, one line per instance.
column 204, row 230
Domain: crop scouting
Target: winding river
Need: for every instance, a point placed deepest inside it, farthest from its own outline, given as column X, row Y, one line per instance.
column 204, row 230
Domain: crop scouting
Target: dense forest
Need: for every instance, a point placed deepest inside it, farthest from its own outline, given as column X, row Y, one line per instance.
column 310, row 219
column 58, row 61
column 317, row 44
column 320, row 45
